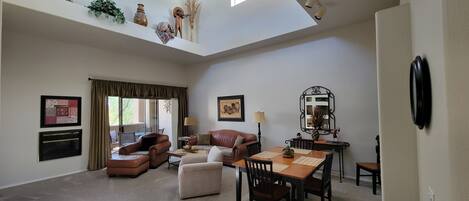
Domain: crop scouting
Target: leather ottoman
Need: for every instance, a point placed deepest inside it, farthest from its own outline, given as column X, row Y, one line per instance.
column 127, row 165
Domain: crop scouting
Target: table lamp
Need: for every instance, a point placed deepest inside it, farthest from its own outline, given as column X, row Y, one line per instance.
column 259, row 117
column 190, row 121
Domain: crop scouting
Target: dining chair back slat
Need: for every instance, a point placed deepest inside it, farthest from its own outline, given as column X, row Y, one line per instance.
column 260, row 174
column 302, row 143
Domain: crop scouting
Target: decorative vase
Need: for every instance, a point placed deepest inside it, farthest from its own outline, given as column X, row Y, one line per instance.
column 140, row 17
column 288, row 152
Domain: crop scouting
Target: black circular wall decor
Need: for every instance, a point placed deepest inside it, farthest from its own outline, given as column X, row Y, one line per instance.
column 420, row 92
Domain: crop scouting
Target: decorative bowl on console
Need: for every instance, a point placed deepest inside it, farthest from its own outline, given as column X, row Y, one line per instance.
column 188, row 148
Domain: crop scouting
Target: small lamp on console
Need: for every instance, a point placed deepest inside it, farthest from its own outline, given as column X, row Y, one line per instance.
column 190, row 121
column 259, row 117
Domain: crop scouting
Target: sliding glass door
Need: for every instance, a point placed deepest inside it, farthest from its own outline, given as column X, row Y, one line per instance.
column 131, row 118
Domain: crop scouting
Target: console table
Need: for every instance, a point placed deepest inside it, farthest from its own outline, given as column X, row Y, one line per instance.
column 337, row 146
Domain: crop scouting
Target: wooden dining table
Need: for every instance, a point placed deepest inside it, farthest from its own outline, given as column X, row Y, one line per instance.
column 295, row 173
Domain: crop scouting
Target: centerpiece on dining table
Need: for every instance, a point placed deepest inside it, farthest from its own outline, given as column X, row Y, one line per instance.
column 288, row 152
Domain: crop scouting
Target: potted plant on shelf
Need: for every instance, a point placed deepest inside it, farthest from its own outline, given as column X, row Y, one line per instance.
column 108, row 8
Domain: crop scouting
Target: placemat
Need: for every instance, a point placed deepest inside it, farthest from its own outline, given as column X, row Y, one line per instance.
column 302, row 151
column 310, row 161
column 278, row 167
column 266, row 154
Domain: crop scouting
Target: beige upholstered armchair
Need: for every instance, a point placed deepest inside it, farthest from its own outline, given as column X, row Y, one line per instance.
column 200, row 174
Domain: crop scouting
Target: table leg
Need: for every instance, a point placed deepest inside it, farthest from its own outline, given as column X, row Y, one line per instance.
column 340, row 164
column 374, row 183
column 357, row 177
column 169, row 163
column 239, row 181
column 343, row 163
column 300, row 191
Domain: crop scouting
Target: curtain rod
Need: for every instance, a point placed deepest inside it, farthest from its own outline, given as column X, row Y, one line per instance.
column 91, row 79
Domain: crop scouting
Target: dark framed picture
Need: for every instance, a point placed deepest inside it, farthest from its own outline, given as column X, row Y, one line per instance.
column 231, row 108
column 60, row 111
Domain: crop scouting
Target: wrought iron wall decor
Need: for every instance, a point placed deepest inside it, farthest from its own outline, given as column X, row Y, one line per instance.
column 317, row 107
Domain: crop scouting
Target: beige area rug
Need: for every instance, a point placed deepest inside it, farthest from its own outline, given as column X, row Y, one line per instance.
column 155, row 185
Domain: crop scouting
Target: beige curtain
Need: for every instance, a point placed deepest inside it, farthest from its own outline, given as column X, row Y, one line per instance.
column 99, row 131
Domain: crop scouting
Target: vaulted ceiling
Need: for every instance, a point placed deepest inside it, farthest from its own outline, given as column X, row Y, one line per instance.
column 222, row 29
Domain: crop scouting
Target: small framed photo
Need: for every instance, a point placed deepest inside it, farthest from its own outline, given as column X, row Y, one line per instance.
column 231, row 108
column 60, row 111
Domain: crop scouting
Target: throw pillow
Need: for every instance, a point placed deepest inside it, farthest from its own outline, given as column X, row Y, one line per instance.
column 215, row 155
column 239, row 140
column 203, row 139
column 147, row 142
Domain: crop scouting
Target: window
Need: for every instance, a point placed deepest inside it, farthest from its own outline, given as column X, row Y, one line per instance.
column 113, row 103
column 131, row 115
column 236, row 2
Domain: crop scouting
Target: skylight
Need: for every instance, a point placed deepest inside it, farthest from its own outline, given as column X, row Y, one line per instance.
column 236, row 2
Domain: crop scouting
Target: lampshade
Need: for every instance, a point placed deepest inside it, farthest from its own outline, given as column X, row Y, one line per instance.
column 259, row 117
column 190, row 121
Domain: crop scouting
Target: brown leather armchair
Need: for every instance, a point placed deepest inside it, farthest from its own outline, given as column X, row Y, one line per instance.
column 225, row 139
column 154, row 145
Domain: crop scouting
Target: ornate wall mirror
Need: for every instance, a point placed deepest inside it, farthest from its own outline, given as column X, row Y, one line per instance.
column 317, row 106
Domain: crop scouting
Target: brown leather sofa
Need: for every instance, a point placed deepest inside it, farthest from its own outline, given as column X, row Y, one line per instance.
column 225, row 139
column 154, row 145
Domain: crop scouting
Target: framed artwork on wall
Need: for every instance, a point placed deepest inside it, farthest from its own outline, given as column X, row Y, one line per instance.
column 231, row 108
column 60, row 111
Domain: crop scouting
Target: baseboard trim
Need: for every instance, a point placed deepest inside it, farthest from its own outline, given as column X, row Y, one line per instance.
column 41, row 179
column 336, row 173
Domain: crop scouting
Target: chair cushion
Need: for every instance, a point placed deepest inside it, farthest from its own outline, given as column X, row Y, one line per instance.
column 140, row 153
column 147, row 142
column 203, row 139
column 226, row 151
column 215, row 155
column 202, row 147
column 239, row 140
column 372, row 167
column 126, row 161
column 227, row 138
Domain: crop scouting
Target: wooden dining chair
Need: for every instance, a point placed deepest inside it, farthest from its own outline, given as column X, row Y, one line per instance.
column 323, row 186
column 261, row 180
column 302, row 143
column 373, row 168
column 253, row 148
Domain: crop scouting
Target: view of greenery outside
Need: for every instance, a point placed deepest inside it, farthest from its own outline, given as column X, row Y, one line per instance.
column 129, row 110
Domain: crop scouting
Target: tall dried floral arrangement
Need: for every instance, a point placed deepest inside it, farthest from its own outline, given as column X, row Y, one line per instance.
column 192, row 10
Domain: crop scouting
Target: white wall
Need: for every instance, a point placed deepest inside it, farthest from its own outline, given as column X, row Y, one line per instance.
column 1, row 30
column 224, row 27
column 433, row 150
column 174, row 121
column 398, row 135
column 165, row 120
column 272, row 79
column 457, row 52
column 404, row 1
column 36, row 66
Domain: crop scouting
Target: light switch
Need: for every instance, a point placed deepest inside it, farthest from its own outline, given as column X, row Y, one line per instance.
column 431, row 194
